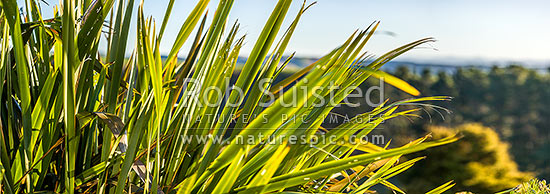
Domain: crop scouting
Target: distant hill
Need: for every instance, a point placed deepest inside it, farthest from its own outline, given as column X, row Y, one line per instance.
column 415, row 66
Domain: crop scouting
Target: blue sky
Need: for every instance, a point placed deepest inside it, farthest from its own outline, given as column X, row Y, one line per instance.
column 465, row 29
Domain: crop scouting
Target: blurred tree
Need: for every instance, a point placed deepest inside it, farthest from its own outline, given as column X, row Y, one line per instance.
column 444, row 85
column 479, row 163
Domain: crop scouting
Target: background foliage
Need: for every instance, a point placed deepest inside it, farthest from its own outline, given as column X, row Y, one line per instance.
column 479, row 163
column 512, row 100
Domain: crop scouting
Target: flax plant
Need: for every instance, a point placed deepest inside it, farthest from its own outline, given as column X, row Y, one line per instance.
column 77, row 119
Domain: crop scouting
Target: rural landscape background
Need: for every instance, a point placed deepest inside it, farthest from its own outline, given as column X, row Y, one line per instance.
column 500, row 108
